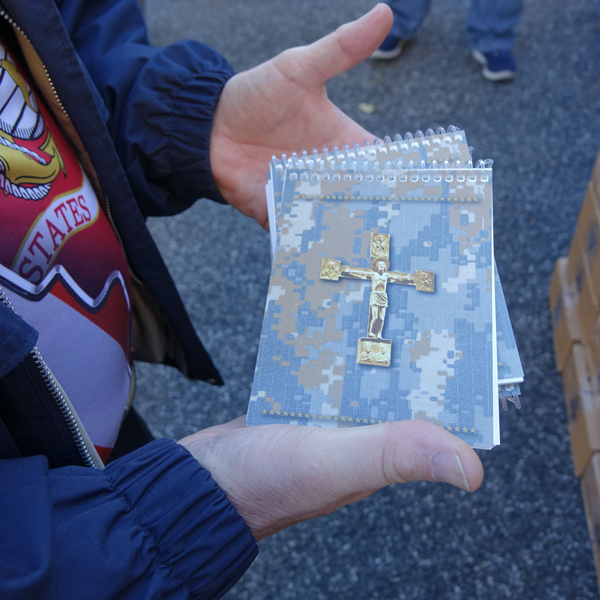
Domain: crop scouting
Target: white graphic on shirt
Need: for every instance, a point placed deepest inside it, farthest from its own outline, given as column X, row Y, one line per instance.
column 24, row 172
column 78, row 350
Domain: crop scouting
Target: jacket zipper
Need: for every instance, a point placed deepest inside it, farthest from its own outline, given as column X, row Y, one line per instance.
column 57, row 395
column 107, row 209
column 60, row 401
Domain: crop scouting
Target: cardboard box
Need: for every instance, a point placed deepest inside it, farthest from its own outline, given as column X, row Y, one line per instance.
column 587, row 235
column 587, row 304
column 590, row 237
column 565, row 322
column 583, row 267
column 582, row 404
column 590, row 489
column 592, row 350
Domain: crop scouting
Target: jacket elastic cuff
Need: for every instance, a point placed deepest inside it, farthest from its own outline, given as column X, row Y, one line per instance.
column 164, row 141
column 199, row 535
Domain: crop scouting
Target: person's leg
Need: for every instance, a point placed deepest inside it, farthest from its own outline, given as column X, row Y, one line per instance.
column 491, row 33
column 408, row 15
column 491, row 24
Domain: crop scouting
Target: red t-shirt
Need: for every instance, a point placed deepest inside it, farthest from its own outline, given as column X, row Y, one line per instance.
column 61, row 261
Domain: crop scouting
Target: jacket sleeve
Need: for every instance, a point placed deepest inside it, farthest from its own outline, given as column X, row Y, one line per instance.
column 153, row 524
column 160, row 101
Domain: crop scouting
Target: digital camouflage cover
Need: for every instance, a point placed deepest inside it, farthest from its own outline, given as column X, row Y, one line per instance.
column 381, row 303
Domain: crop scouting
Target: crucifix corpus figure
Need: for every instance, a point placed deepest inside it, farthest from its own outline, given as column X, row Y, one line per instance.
column 380, row 276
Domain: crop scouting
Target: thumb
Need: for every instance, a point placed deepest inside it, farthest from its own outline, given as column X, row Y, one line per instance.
column 369, row 458
column 340, row 50
column 279, row 475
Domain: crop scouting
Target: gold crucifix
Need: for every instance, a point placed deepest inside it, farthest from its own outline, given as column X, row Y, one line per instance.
column 373, row 349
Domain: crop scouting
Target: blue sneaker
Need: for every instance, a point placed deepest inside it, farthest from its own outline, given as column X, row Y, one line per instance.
column 390, row 48
column 498, row 65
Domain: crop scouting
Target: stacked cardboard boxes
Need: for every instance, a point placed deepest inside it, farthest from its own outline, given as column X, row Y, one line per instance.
column 575, row 311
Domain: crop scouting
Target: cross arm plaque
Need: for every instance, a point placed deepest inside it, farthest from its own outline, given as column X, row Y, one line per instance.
column 334, row 269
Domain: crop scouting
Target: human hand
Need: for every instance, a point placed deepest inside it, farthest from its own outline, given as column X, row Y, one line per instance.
column 280, row 475
column 281, row 106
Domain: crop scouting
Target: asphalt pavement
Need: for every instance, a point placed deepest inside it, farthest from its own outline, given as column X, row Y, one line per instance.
column 523, row 534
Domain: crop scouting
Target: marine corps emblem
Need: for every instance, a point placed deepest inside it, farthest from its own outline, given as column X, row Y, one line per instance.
column 29, row 157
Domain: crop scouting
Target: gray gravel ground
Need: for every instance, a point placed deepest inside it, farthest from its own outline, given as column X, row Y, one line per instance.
column 523, row 535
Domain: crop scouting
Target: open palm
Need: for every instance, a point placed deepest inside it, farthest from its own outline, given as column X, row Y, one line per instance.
column 280, row 475
column 281, row 106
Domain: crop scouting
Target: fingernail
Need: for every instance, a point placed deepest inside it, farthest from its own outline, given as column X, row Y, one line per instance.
column 446, row 466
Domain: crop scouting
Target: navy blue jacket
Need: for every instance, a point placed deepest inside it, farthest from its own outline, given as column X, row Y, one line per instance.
column 152, row 524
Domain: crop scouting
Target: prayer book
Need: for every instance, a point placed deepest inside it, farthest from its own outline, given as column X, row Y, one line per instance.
column 384, row 297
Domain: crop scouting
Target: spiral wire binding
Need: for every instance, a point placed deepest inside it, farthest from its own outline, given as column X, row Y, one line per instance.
column 418, row 170
column 401, row 172
column 377, row 146
column 415, row 172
